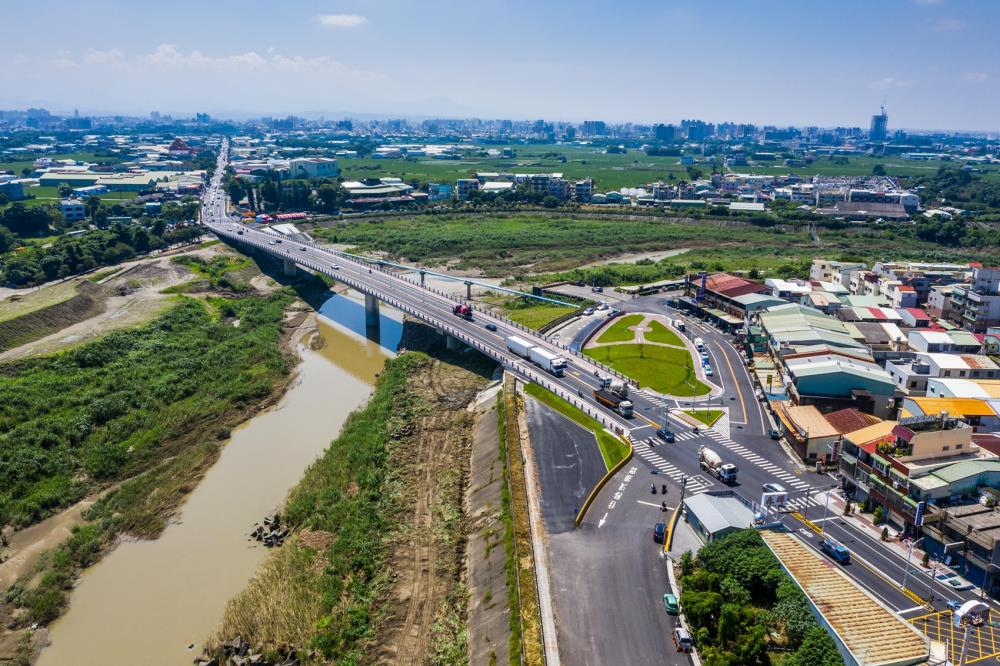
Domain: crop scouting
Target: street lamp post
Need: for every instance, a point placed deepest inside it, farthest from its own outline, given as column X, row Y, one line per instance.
column 906, row 572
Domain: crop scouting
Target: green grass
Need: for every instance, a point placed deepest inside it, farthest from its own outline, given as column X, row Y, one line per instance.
column 536, row 316
column 103, row 412
column 537, row 248
column 659, row 333
column 613, row 450
column 619, row 330
column 664, row 369
column 706, row 416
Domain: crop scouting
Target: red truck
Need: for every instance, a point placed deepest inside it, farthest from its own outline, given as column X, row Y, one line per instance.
column 463, row 311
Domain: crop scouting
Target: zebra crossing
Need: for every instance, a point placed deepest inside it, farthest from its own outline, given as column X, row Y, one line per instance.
column 659, row 401
column 695, row 484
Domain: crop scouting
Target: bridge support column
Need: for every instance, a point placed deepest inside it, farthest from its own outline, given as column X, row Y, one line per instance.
column 453, row 344
column 371, row 310
column 468, row 290
column 289, row 266
column 423, row 274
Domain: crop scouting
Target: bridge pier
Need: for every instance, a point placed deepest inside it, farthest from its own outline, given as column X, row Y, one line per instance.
column 452, row 343
column 423, row 274
column 289, row 266
column 468, row 290
column 371, row 311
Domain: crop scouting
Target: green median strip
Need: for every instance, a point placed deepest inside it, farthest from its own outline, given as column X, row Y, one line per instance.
column 619, row 331
column 659, row 333
column 706, row 416
column 612, row 448
column 668, row 370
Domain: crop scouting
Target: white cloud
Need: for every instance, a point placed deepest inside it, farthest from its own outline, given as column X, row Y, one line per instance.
column 975, row 77
column 341, row 20
column 891, row 82
column 167, row 57
column 948, row 25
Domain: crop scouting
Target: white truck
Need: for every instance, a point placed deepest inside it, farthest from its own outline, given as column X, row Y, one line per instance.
column 543, row 358
column 699, row 344
column 519, row 346
column 546, row 360
column 710, row 461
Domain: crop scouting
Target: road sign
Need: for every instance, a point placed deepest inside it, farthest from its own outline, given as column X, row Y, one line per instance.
column 918, row 520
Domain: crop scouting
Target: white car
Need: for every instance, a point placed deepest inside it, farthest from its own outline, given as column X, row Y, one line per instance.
column 335, row 267
column 602, row 306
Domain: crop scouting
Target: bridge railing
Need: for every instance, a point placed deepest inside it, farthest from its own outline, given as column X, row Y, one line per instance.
column 420, row 315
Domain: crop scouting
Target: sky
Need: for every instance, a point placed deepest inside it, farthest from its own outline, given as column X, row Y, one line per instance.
column 936, row 63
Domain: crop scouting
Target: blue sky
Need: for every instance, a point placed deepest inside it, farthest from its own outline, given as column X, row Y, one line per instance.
column 803, row 62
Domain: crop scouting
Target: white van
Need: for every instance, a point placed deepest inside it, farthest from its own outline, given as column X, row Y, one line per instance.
column 699, row 344
column 679, row 325
column 682, row 640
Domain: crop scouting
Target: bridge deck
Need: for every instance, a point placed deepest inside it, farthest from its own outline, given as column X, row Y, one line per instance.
column 872, row 633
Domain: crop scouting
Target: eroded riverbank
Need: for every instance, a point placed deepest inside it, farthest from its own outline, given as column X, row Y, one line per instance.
column 148, row 601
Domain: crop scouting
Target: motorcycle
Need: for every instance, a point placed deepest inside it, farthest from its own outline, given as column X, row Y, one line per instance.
column 663, row 506
column 664, row 489
column 652, row 488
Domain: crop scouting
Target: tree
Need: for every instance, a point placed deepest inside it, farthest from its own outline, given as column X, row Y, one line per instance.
column 818, row 649
column 550, row 201
column 23, row 220
column 65, row 190
column 8, row 241
column 878, row 170
column 885, row 534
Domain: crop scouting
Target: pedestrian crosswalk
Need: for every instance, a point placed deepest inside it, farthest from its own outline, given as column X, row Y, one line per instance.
column 800, row 492
column 657, row 400
column 695, row 484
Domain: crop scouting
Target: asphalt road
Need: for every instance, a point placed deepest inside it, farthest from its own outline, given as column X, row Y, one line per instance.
column 568, row 461
column 743, row 441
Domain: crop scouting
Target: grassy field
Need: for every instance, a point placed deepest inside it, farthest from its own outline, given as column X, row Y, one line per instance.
column 706, row 416
column 614, row 171
column 536, row 316
column 619, row 330
column 659, row 333
column 548, row 248
column 663, row 369
column 613, row 450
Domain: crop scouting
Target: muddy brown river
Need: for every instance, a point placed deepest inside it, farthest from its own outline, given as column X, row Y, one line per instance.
column 147, row 601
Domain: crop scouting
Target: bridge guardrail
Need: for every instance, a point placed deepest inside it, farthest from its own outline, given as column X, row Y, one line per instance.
column 501, row 357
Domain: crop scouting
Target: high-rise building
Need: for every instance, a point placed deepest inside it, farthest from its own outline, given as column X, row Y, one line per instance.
column 880, row 126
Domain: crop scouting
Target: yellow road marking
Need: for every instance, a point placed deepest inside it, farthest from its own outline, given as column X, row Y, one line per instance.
column 732, row 372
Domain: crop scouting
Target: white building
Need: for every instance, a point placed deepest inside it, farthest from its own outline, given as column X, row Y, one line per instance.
column 72, row 209
column 313, row 167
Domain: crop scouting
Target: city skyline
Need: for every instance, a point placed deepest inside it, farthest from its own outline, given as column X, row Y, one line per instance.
column 932, row 62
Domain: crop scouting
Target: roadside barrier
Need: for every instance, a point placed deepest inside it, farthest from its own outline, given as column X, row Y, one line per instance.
column 669, row 538
column 600, row 484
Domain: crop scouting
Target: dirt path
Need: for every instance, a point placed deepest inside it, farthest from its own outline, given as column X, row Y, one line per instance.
column 135, row 298
column 429, row 559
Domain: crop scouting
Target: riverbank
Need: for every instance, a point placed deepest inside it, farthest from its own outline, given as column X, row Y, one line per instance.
column 374, row 571
column 172, row 391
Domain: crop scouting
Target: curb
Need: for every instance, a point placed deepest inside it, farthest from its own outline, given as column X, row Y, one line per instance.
column 669, row 538
column 604, row 479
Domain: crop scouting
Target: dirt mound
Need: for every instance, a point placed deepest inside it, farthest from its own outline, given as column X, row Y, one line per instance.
column 89, row 301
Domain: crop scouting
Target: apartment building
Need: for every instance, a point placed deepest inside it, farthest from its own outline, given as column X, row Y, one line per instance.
column 976, row 306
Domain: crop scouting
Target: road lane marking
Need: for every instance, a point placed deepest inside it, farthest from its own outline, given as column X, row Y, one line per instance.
column 658, row 506
column 736, row 383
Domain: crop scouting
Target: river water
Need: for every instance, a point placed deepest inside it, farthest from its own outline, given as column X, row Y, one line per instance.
column 146, row 601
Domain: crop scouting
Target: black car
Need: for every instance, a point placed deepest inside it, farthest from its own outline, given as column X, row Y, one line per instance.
column 666, row 435
column 491, row 327
column 659, row 532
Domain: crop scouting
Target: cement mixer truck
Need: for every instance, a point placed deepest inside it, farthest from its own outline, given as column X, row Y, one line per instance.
column 710, row 461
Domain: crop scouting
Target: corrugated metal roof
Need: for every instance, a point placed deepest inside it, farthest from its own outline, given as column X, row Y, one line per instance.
column 870, row 631
column 954, row 406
